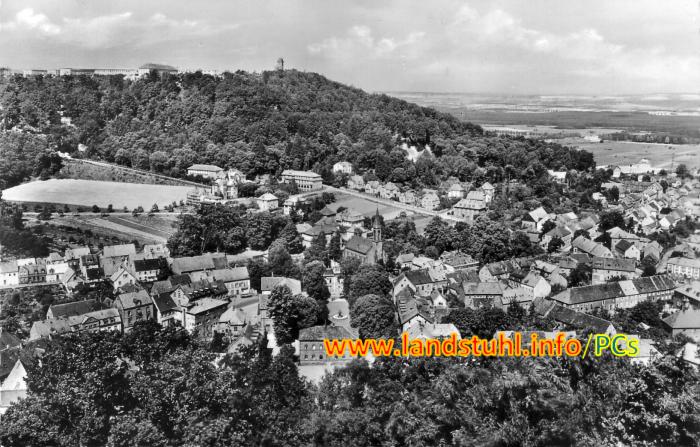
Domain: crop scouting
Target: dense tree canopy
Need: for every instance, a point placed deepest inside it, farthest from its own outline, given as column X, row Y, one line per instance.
column 527, row 402
column 227, row 229
column 260, row 124
column 373, row 316
column 368, row 280
column 156, row 387
column 291, row 313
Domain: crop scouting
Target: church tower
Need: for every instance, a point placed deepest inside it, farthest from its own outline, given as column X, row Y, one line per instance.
column 377, row 228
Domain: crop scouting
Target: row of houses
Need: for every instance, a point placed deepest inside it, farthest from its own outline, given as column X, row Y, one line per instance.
column 469, row 205
column 80, row 264
column 194, row 296
column 615, row 295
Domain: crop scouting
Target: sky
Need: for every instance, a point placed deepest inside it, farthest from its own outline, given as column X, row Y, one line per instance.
column 587, row 47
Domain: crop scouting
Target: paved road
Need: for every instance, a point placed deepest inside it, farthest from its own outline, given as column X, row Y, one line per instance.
column 442, row 214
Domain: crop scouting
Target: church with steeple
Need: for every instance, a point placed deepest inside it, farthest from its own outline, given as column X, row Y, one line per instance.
column 367, row 250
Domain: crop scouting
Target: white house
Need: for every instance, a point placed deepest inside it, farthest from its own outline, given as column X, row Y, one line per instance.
column 456, row 191
column 268, row 202
column 9, row 273
column 342, row 167
column 14, row 387
column 430, row 200
column 690, row 268
column 557, row 176
column 123, row 277
column 55, row 271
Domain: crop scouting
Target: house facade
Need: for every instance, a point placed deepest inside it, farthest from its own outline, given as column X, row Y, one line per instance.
column 99, row 320
column 9, row 273
column 689, row 268
column 356, row 182
column 150, row 269
column 32, row 273
column 268, row 202
column 605, row 269
column 470, row 207
column 686, row 322
column 311, row 349
column 430, row 200
column 123, row 277
column 202, row 316
column 134, row 307
column 617, row 295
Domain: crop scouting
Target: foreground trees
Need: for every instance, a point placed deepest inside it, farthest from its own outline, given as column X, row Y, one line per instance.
column 159, row 387
column 526, row 402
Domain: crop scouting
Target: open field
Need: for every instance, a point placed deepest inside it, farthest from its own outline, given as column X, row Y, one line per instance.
column 368, row 208
column 585, row 115
column 364, row 207
column 616, row 152
column 626, row 152
column 555, row 131
column 157, row 225
column 145, row 229
column 630, row 121
column 100, row 193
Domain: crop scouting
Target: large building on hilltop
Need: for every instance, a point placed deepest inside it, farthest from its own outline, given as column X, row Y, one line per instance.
column 160, row 69
column 128, row 73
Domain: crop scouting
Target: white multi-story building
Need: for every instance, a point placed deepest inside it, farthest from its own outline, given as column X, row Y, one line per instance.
column 206, row 171
column 690, row 268
column 305, row 180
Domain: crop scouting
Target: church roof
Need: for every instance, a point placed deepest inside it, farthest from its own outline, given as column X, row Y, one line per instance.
column 359, row 244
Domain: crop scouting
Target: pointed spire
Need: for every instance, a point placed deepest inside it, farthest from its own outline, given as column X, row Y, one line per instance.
column 376, row 223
